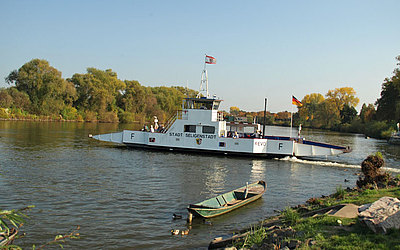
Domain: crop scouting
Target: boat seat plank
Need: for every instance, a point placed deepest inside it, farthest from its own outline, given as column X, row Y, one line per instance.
column 229, row 197
column 221, row 202
column 255, row 190
column 233, row 202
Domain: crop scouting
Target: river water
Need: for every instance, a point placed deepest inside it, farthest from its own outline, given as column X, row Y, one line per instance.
column 125, row 198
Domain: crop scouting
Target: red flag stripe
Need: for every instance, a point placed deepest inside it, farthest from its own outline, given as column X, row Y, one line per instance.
column 210, row 60
column 296, row 102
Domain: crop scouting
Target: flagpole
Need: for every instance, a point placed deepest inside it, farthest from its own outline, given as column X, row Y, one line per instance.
column 205, row 73
column 291, row 120
column 204, row 78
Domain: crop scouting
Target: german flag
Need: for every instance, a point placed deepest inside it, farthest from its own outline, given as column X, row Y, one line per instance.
column 296, row 102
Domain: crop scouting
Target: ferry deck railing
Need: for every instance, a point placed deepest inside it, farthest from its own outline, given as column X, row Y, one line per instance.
column 179, row 115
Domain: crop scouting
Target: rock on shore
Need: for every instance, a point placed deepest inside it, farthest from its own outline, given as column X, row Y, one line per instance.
column 381, row 215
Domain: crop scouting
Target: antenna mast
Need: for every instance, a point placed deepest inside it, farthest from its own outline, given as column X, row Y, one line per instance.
column 204, row 76
column 203, row 82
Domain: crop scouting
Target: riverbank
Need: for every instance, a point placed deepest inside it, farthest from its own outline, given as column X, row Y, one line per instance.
column 310, row 225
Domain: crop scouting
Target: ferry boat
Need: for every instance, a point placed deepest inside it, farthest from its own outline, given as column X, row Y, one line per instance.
column 200, row 127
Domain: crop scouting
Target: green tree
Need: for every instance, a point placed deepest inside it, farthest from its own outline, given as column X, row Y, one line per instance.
column 308, row 112
column 5, row 98
column 347, row 114
column 48, row 92
column 388, row 105
column 169, row 99
column 97, row 92
column 327, row 115
column 133, row 99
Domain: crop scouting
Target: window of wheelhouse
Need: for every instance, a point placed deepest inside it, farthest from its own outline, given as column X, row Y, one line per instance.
column 216, row 105
column 208, row 130
column 190, row 128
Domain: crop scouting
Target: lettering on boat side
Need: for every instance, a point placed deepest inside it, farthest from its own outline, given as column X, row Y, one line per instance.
column 260, row 143
column 176, row 134
column 132, row 135
column 280, row 145
column 200, row 136
column 189, row 135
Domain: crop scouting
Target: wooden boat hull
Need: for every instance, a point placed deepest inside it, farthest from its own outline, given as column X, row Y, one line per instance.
column 229, row 201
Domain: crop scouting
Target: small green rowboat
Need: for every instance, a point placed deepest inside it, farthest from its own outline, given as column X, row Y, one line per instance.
column 227, row 202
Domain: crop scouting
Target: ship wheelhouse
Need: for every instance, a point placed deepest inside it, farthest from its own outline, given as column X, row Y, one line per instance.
column 200, row 116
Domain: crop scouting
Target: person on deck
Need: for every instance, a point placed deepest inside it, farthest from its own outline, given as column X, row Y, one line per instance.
column 155, row 123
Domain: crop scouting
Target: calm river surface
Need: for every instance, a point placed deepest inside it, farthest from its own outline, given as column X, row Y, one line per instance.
column 125, row 198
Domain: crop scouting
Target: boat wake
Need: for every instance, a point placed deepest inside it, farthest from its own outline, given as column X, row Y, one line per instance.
column 330, row 163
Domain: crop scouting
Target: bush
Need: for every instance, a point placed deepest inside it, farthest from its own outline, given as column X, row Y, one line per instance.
column 69, row 113
column 3, row 113
column 373, row 176
column 90, row 116
column 375, row 128
column 256, row 237
column 108, row 117
column 340, row 192
column 290, row 216
column 387, row 133
column 126, row 117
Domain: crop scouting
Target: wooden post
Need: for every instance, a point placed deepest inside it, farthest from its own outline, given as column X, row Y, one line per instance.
column 190, row 218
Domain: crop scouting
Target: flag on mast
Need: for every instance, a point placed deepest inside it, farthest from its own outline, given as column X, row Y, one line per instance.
column 211, row 60
column 296, row 102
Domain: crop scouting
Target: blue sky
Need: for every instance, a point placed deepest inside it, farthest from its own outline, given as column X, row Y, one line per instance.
column 271, row 49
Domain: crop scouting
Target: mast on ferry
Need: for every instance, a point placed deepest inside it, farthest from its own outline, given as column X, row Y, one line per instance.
column 204, row 76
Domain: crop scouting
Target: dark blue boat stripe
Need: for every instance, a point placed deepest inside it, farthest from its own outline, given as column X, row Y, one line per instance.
column 323, row 145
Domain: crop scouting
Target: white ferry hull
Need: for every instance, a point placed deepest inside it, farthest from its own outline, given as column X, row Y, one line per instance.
column 268, row 147
column 200, row 127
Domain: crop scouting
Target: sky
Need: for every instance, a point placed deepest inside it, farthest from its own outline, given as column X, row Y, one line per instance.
column 264, row 49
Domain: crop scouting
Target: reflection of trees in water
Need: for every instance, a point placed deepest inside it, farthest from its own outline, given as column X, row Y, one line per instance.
column 28, row 135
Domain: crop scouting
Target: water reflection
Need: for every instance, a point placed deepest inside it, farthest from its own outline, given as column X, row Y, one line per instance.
column 215, row 178
column 258, row 170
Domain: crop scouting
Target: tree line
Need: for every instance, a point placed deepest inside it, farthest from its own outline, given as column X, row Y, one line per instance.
column 38, row 91
column 336, row 111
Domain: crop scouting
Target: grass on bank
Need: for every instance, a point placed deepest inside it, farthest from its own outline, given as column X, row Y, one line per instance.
column 328, row 232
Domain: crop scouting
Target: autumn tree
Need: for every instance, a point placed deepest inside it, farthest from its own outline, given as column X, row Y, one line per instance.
column 48, row 92
column 234, row 111
column 343, row 96
column 344, row 101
